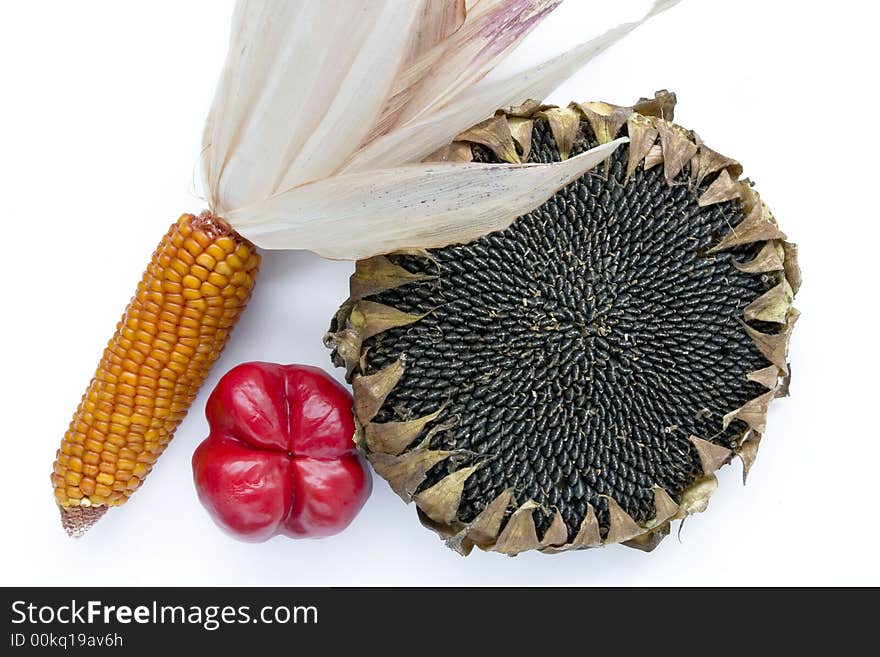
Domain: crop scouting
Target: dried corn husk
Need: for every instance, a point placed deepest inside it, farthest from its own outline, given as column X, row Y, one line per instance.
column 325, row 111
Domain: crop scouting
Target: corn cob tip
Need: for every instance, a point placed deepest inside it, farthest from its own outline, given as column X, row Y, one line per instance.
column 77, row 520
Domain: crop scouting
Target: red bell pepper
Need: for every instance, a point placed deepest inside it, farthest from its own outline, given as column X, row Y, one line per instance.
column 280, row 457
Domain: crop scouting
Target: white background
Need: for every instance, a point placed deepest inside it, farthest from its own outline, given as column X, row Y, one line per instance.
column 101, row 110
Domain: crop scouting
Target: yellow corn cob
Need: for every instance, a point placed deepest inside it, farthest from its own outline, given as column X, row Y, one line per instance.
column 189, row 299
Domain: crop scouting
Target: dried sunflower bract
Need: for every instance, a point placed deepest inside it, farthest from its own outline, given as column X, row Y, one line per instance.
column 576, row 379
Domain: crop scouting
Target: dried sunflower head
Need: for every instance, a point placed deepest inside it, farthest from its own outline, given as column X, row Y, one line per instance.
column 576, row 379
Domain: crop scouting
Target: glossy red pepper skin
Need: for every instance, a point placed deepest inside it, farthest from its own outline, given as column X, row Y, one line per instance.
column 280, row 457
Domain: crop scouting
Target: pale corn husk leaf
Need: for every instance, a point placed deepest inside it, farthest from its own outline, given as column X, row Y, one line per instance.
column 419, row 138
column 307, row 98
column 455, row 50
column 290, row 105
column 438, row 21
column 492, row 29
column 425, row 205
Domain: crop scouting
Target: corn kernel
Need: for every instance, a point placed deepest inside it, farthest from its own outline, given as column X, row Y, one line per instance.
column 218, row 280
column 226, row 243
column 192, row 246
column 102, row 492
column 199, row 272
column 206, row 260
column 180, row 267
column 224, row 269
column 215, row 252
column 104, row 478
column 202, row 238
column 187, row 258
